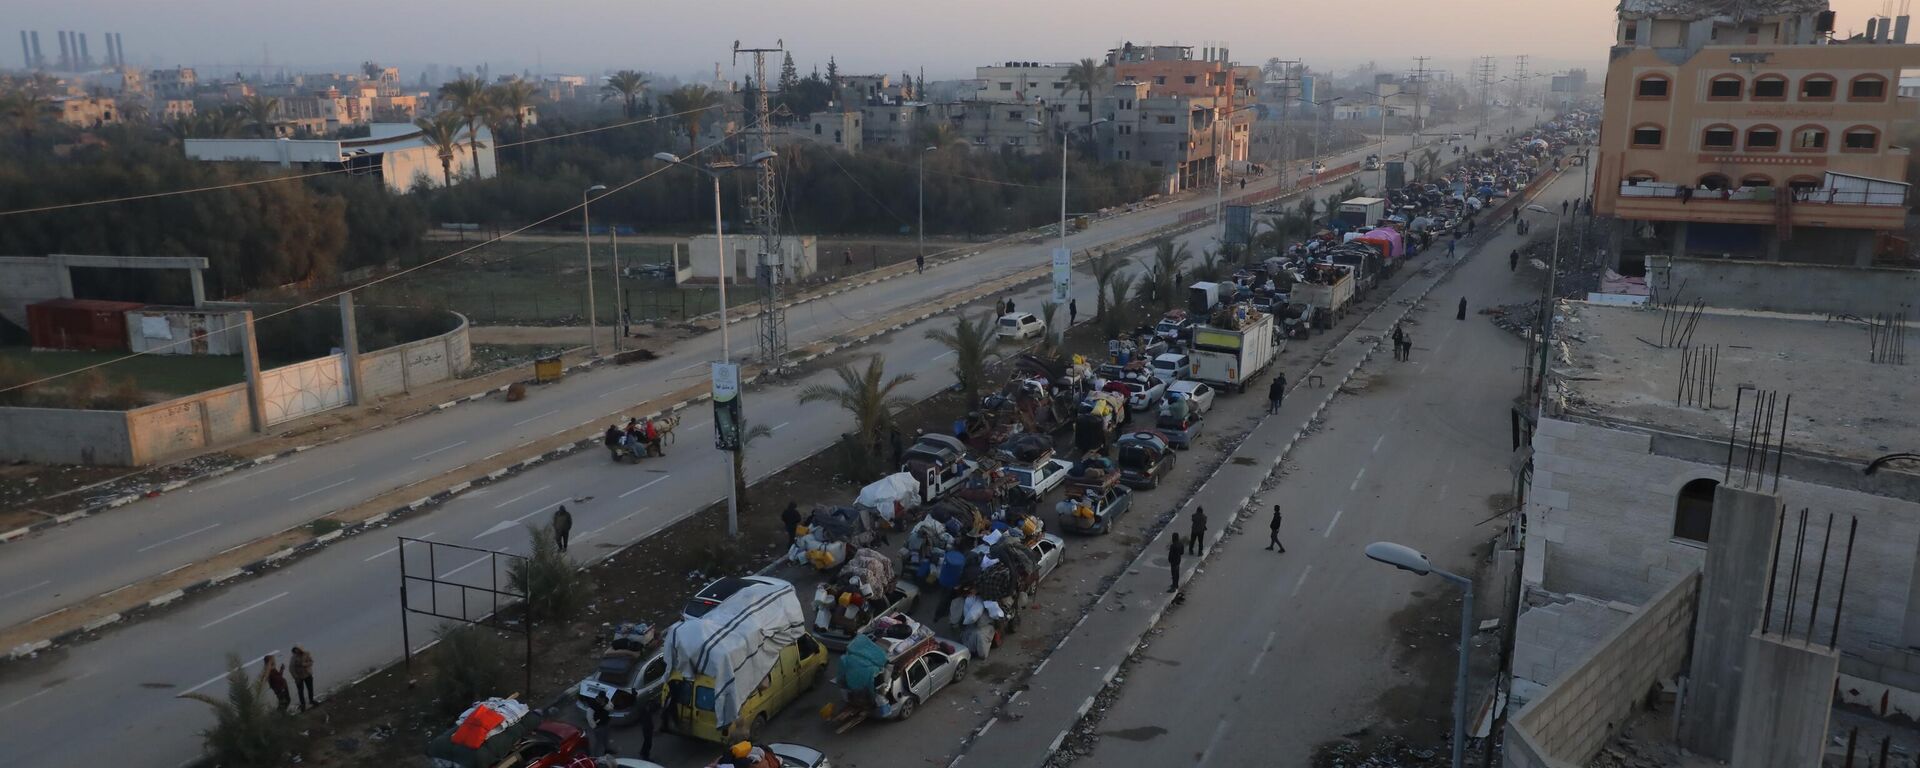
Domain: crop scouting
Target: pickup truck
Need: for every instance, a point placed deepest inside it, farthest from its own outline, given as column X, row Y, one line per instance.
column 1328, row 298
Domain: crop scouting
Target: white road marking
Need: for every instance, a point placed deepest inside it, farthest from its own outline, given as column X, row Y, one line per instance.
column 948, row 353
column 645, row 486
column 690, row 366
column 777, row 427
column 321, row 488
column 521, row 496
column 1302, row 582
column 243, row 610
column 1336, row 521
column 618, row 390
column 505, row 524
column 239, row 476
column 1356, row 479
column 223, row 675
column 476, row 561
column 437, row 450
column 1255, row 666
column 1377, row 441
column 43, row 691
column 392, row 549
column 174, row 539
column 28, row 588
column 535, row 418
column 1218, row 732
column 697, row 424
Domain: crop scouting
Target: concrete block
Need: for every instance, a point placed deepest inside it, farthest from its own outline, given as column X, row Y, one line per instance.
column 24, row 650
column 1556, row 428
column 169, row 597
column 100, row 623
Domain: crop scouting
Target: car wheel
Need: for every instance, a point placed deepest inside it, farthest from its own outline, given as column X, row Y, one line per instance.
column 907, row 707
column 960, row 671
column 759, row 726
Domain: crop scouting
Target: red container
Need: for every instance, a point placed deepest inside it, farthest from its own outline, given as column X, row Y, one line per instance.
column 83, row 324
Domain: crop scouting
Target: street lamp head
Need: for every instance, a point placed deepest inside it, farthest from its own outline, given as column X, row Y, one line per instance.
column 1034, row 123
column 762, row 156
column 931, row 149
column 666, row 157
column 597, row 188
column 1099, row 121
column 1400, row 556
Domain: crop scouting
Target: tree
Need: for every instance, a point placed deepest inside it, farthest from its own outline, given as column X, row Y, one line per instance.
column 248, row 730
column 259, row 111
column 469, row 664
column 870, row 396
column 467, row 97
column 1167, row 258
column 1424, row 167
column 555, row 588
column 1115, row 319
column 691, row 103
column 789, row 76
column 939, row 134
column 22, row 107
column 512, row 98
column 971, row 340
column 627, row 85
column 442, row 132
column 833, row 75
column 1104, row 267
column 749, row 432
column 1087, row 76
column 1213, row 264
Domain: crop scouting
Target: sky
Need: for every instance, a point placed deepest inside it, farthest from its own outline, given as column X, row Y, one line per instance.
column 947, row 39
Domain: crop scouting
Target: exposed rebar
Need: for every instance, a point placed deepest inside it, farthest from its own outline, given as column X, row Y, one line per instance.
column 1773, row 570
column 1819, row 578
column 1780, row 452
column 1793, row 582
column 1840, row 600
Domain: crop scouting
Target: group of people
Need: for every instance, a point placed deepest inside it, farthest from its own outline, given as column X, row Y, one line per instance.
column 275, row 676
column 638, row 438
column 1196, row 543
column 600, row 725
column 1402, row 343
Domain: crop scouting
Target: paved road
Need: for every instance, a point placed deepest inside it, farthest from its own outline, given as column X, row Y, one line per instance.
column 339, row 602
column 95, row 555
column 1274, row 653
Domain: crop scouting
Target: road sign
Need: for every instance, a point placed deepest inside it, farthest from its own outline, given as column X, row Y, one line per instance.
column 1239, row 225
column 726, row 406
column 1062, row 274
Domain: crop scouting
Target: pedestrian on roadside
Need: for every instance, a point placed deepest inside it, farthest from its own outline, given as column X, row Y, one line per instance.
column 898, row 443
column 276, row 678
column 1197, row 532
column 790, row 517
column 1174, row 551
column 920, row 263
column 1406, row 347
column 1073, row 311
column 1450, row 245
column 1399, row 337
column 649, row 711
column 1462, row 313
column 562, row 526
column 599, row 726
column 303, row 678
column 1563, row 207
column 1276, row 393
column 1273, row 532
column 1513, row 261
column 1009, row 305
column 1243, row 183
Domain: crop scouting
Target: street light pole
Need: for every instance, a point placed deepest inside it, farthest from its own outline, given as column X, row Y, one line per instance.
column 619, row 301
column 1065, row 131
column 920, row 228
column 1408, row 559
column 586, row 236
column 1546, row 310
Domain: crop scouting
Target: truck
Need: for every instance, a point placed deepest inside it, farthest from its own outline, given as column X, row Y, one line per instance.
column 1229, row 354
column 1360, row 213
column 1328, row 288
column 1202, row 298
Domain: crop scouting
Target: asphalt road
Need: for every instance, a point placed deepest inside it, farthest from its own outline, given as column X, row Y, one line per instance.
column 1274, row 653
column 339, row 603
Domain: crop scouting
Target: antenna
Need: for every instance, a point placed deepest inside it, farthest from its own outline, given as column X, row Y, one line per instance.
column 766, row 212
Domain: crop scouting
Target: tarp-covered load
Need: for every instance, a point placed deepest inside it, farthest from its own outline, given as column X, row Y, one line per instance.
column 482, row 736
column 861, row 664
column 1390, row 240
column 891, row 495
column 737, row 642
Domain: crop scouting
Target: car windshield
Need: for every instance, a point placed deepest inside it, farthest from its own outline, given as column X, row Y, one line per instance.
column 1008, row 322
column 1022, row 476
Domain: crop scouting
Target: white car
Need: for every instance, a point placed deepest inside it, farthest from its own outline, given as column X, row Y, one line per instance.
column 1041, row 478
column 1020, row 325
column 1199, row 395
column 938, row 668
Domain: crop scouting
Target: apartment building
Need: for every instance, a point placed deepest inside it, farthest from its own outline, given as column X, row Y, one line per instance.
column 176, row 83
column 1752, row 135
column 1196, row 116
column 82, row 111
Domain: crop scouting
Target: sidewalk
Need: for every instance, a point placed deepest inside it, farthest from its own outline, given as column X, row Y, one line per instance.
column 1033, row 722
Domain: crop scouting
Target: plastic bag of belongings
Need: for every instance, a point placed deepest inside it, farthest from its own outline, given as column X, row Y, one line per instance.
column 1234, row 317
column 496, row 731
column 890, row 497
column 845, row 602
column 1094, row 472
column 1109, row 406
column 979, row 620
column 831, row 533
column 1025, row 449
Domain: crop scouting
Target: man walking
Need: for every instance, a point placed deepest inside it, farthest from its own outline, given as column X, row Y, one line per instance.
column 790, row 518
column 1009, row 306
column 1513, row 261
column 1563, row 207
column 276, row 678
column 920, row 263
column 649, row 712
column 1197, row 532
column 1276, row 392
column 1273, row 532
column 562, row 525
column 1451, row 243
column 1462, row 313
column 1073, row 311
column 1174, row 551
column 599, row 726
column 1406, row 347
column 1399, row 338
column 303, row 678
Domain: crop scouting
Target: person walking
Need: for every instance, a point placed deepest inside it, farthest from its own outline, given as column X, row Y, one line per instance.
column 1406, row 347
column 898, row 444
column 1073, row 311
column 276, row 678
column 562, row 526
column 1197, row 532
column 1451, row 243
column 1276, row 393
column 1009, row 306
column 303, row 678
column 1174, row 551
column 649, row 712
column 1513, row 261
column 790, row 518
column 1462, row 313
column 1563, row 207
column 1399, row 338
column 599, row 727
column 920, row 263
column 1273, row 532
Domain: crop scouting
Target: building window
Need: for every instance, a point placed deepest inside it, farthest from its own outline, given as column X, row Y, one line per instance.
column 1166, row 119
column 1191, row 79
column 1816, row 88
column 1803, row 183
column 1647, row 137
column 1641, row 177
column 1630, row 31
column 1715, row 181
column 836, row 137
column 1086, row 108
column 1160, row 80
column 1652, row 87
column 1719, row 137
column 1810, row 139
column 1059, row 85
column 1860, row 139
column 1770, row 88
column 1015, row 115
column 1755, row 181
column 1725, row 88
column 1693, row 510
column 1867, row 88
column 1006, row 86
column 1763, row 138
column 1158, row 164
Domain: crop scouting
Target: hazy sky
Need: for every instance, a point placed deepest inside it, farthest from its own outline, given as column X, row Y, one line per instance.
column 947, row 38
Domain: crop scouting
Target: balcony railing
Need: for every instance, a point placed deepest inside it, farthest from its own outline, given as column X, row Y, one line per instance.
column 1655, row 189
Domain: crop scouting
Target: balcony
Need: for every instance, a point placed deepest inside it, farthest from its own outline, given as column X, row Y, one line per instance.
column 1823, row 207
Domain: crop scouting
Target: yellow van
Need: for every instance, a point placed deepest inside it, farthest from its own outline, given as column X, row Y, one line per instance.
column 689, row 704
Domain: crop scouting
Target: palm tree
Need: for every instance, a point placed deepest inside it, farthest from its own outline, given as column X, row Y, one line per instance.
column 1309, row 209
column 1050, row 338
column 259, row 111
column 749, row 432
column 971, row 342
column 1167, row 258
column 1104, row 266
column 628, row 86
column 512, row 98
column 1088, row 75
column 1114, row 321
column 467, row 97
column 222, row 123
column 870, row 395
column 940, row 134
column 247, row 730
column 442, row 132
column 1423, row 168
column 1213, row 264
column 691, row 103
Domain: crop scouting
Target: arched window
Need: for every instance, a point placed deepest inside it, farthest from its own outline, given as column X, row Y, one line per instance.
column 1809, row 138
column 1717, row 138
column 1816, row 88
column 1715, row 181
column 1756, row 180
column 1770, row 88
column 1725, row 88
column 1763, row 138
column 1651, row 87
column 1693, row 510
column 1648, row 136
column 1860, row 138
column 1642, row 177
column 1867, row 88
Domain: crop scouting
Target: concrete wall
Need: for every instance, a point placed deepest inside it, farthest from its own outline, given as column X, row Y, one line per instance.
column 64, row 436
column 1785, row 706
column 1553, row 636
column 1600, row 523
column 1733, row 586
column 1784, row 287
column 802, row 256
column 397, row 370
column 1570, row 724
column 304, row 388
column 169, row 331
column 25, row 280
column 187, row 425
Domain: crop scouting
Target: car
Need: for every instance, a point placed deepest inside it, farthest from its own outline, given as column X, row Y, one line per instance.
column 1106, row 506
column 1040, row 478
column 1142, row 396
column 717, row 592
column 1048, row 551
column 938, row 667
column 1174, row 327
column 1171, row 366
column 625, row 678
column 902, row 598
column 1020, row 325
column 1199, row 394
column 1144, row 456
column 798, row 668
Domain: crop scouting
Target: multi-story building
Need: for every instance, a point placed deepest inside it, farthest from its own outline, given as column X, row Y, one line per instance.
column 82, row 111
column 1196, row 116
column 1024, row 82
column 170, row 110
column 176, row 83
column 1751, row 135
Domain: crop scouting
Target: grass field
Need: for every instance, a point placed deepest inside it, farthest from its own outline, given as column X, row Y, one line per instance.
column 156, row 377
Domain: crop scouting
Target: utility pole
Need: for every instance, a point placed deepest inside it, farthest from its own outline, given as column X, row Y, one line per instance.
column 1519, row 81
column 1287, row 69
column 1419, row 98
column 766, row 212
column 1483, row 74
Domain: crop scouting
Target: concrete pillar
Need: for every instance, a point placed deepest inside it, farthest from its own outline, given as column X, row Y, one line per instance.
column 1863, row 249
column 1614, row 242
column 1678, row 246
column 64, row 274
column 1732, row 589
column 199, row 287
column 250, row 362
column 349, row 347
column 1786, row 703
column 1773, row 248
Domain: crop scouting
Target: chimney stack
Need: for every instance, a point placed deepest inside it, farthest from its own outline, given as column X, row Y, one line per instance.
column 120, row 47
column 26, row 49
column 86, row 59
column 39, row 59
column 107, row 38
column 66, row 52
column 1900, row 29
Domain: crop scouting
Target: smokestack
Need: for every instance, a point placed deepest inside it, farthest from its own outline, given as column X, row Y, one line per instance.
column 66, row 52
column 26, row 50
column 86, row 59
column 120, row 47
column 1900, row 29
column 39, row 59
column 113, row 60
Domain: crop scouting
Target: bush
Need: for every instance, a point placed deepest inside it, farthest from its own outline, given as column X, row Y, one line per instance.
column 555, row 588
column 13, row 374
column 324, row 526
column 469, row 664
column 85, row 388
column 248, row 729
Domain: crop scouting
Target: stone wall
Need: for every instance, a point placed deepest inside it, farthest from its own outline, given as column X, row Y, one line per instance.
column 1554, row 634
column 64, row 436
column 1812, row 289
column 398, row 370
column 1576, row 717
column 187, row 425
column 25, row 280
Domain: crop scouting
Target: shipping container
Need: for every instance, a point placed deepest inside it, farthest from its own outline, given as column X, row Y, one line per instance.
column 81, row 324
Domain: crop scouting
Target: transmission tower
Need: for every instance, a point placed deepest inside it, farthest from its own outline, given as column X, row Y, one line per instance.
column 771, row 271
column 1519, row 81
column 1483, row 76
column 1287, row 77
column 1420, row 94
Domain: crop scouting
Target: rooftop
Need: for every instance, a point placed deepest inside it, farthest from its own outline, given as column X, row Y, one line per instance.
column 1740, row 9
column 1843, row 405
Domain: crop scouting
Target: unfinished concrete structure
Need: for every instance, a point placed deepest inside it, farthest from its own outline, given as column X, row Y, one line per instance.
column 27, row 279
